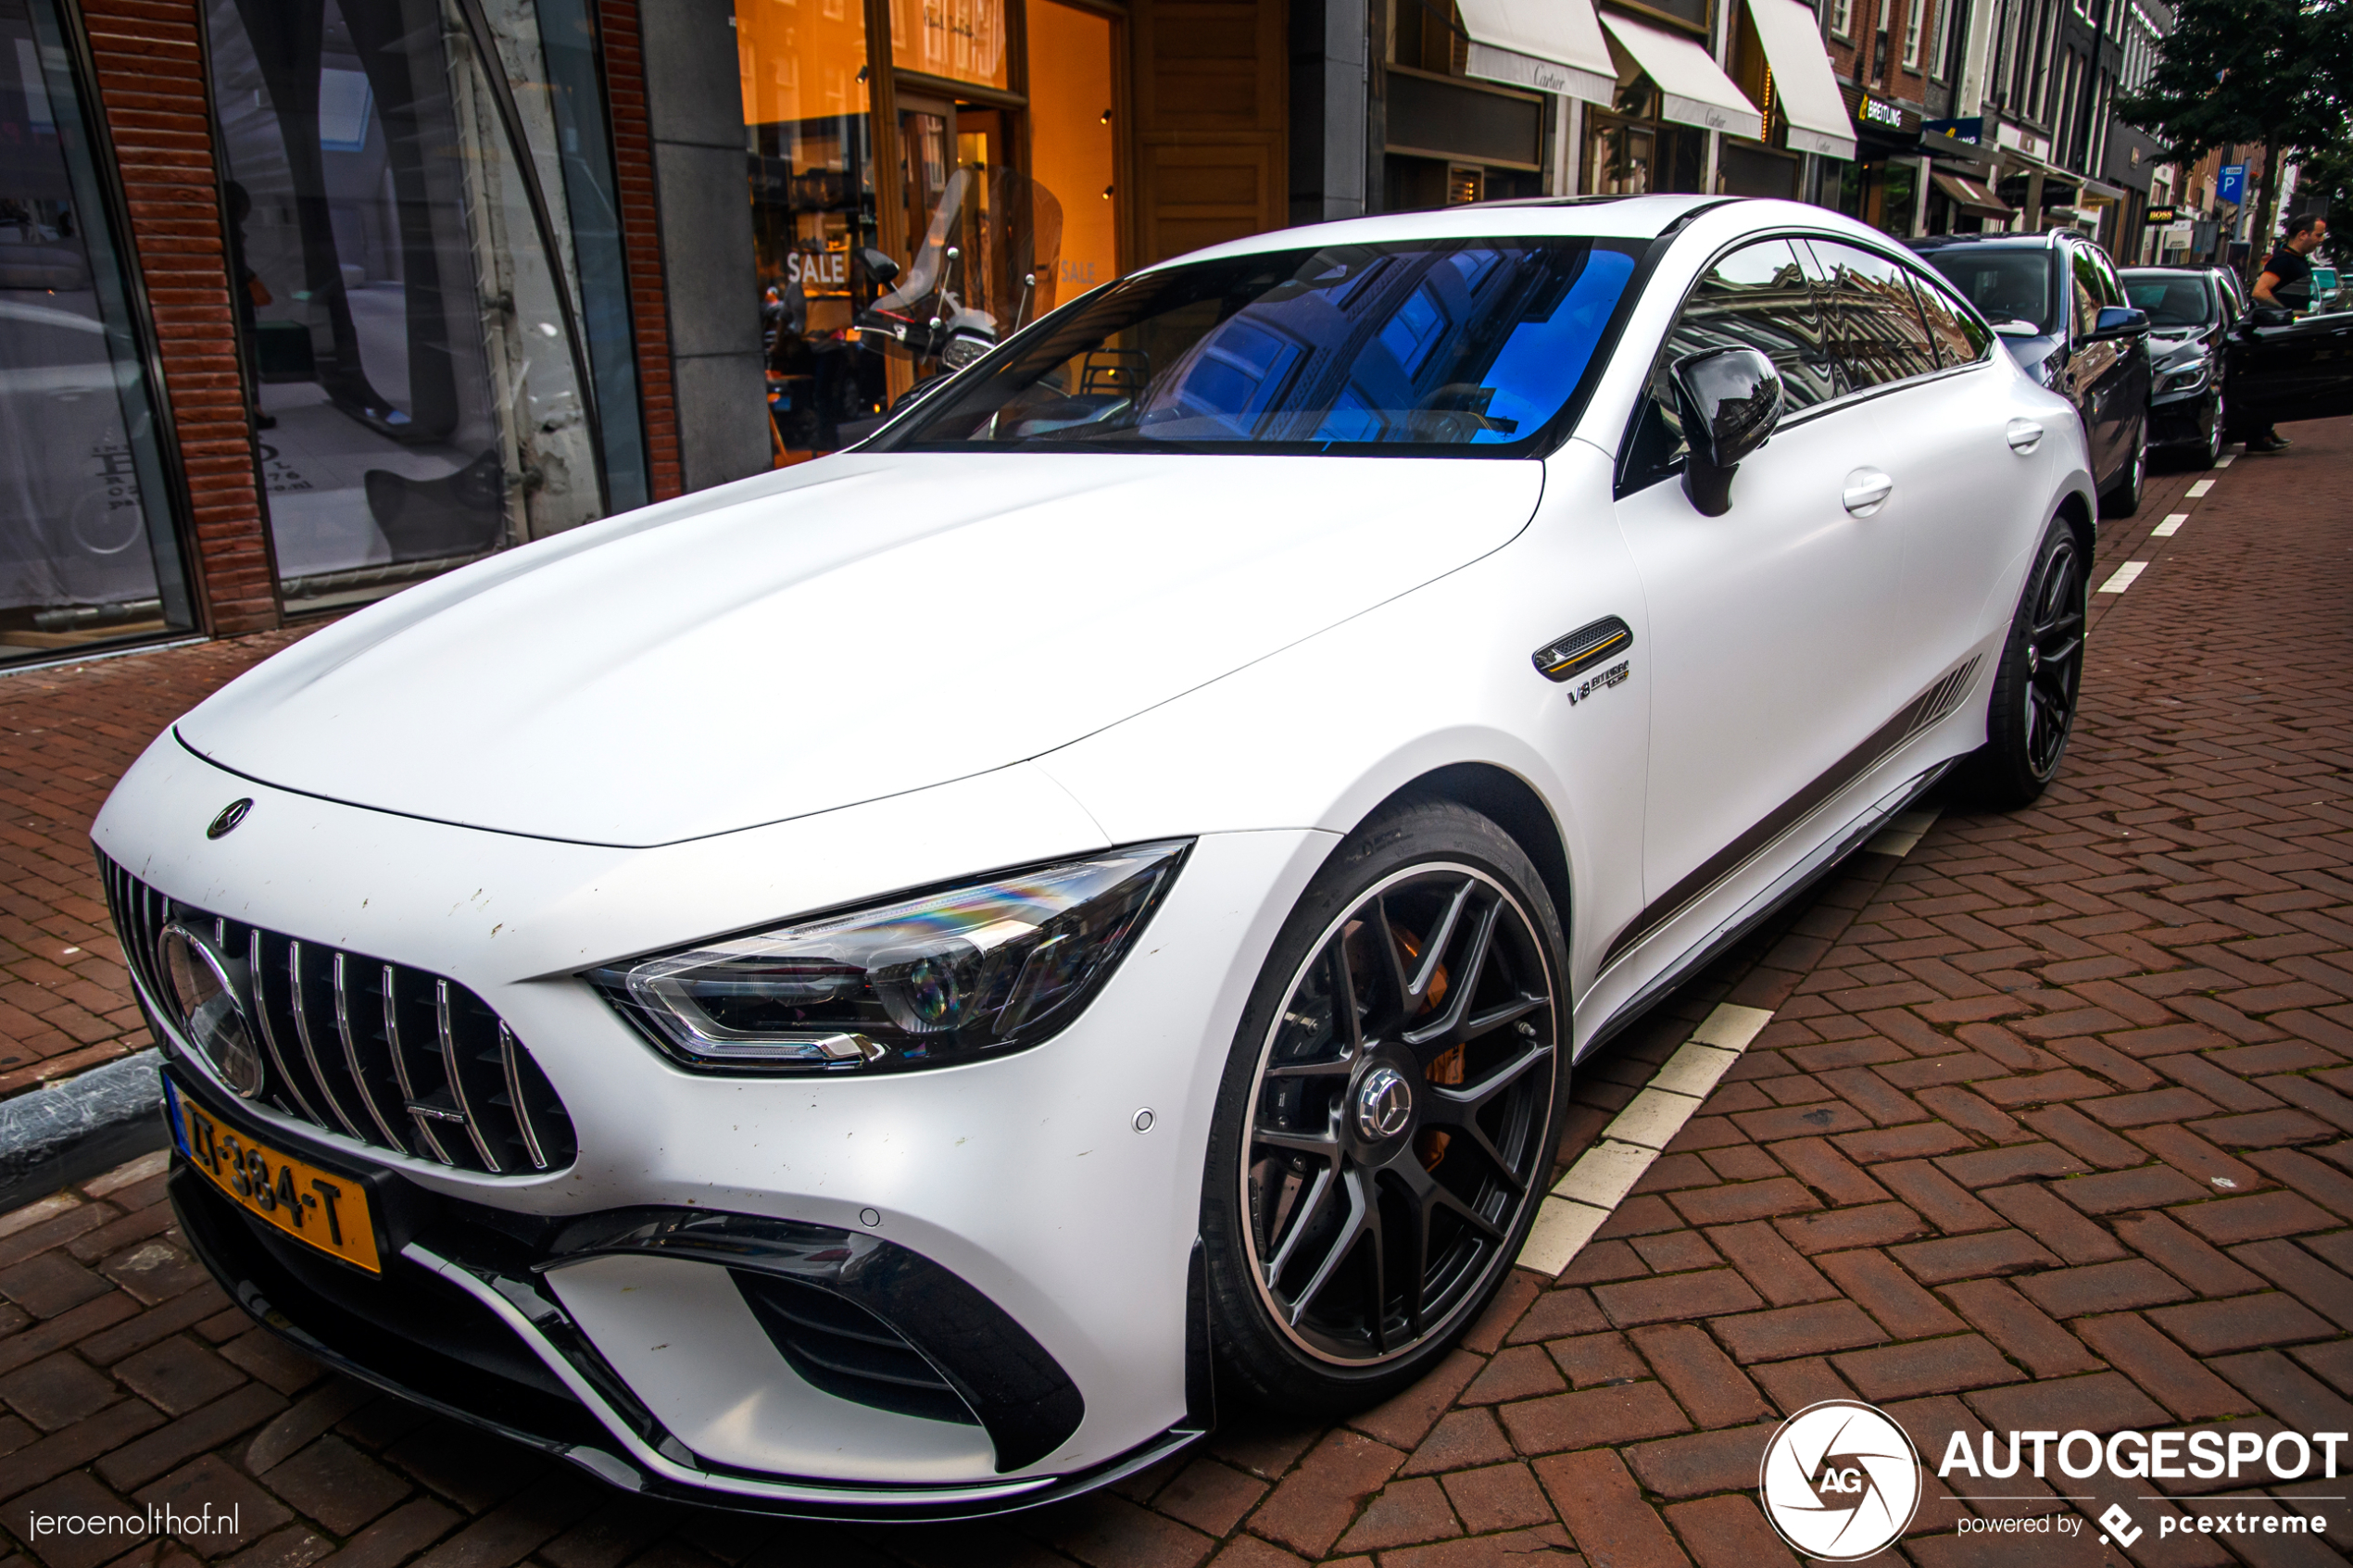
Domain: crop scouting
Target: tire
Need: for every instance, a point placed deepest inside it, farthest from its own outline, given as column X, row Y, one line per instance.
column 2123, row 497
column 2209, row 455
column 1428, row 1128
column 2032, row 714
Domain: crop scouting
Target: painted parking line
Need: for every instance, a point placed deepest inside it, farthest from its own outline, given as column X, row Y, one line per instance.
column 2200, row 488
column 2170, row 526
column 2124, row 576
column 2226, row 459
column 1594, row 1188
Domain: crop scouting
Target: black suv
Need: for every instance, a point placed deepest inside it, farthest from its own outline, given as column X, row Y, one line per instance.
column 2059, row 306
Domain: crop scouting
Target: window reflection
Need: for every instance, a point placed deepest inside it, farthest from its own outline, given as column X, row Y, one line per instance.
column 87, row 550
column 408, row 337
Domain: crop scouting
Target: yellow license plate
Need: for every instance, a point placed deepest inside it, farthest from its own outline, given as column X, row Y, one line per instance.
column 327, row 1210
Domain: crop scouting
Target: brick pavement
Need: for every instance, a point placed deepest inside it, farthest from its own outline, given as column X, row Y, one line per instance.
column 66, row 732
column 2049, row 1130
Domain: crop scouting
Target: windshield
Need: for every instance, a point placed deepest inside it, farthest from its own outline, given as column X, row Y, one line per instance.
column 2004, row 285
column 1451, row 346
column 2172, row 299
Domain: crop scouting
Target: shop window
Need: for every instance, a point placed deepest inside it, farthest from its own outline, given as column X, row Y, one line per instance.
column 88, row 551
column 405, row 288
column 803, row 65
column 954, row 40
column 1072, row 148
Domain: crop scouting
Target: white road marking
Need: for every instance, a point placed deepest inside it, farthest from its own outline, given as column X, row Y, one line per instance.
column 1903, row 835
column 2226, row 459
column 1594, row 1188
column 2200, row 488
column 2170, row 526
column 2124, row 576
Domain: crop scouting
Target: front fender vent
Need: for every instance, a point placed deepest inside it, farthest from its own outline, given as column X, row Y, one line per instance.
column 1581, row 650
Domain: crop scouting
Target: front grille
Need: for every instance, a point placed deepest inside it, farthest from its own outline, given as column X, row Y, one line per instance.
column 839, row 1347
column 394, row 1057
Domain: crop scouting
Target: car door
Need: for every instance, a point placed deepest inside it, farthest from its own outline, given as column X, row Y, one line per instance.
column 2096, row 370
column 1962, row 501
column 2292, row 370
column 2129, row 393
column 1765, row 622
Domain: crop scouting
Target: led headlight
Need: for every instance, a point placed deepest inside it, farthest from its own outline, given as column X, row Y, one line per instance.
column 2183, row 378
column 918, row 981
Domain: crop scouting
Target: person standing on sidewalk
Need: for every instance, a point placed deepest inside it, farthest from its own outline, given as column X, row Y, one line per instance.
column 2285, row 283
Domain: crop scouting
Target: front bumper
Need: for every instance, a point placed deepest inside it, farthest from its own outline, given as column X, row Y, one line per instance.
column 464, row 1320
column 2182, row 418
column 1024, row 1177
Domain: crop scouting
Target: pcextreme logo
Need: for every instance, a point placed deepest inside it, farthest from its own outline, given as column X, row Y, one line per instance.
column 1841, row 1480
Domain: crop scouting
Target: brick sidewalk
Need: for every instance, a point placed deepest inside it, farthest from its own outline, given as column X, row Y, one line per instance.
column 2049, row 1130
column 66, row 732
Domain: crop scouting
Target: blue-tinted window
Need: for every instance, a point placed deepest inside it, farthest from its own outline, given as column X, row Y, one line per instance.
column 1474, row 344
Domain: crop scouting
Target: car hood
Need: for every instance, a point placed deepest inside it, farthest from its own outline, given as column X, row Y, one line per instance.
column 838, row 632
column 2033, row 354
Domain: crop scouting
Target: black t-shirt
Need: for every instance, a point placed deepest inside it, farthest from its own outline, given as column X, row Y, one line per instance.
column 2295, row 274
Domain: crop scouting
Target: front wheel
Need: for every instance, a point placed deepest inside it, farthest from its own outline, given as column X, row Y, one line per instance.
column 1385, row 1128
column 2211, row 453
column 2123, row 498
column 2033, row 711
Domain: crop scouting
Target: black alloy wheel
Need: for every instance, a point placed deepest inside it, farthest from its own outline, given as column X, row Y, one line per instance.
column 2123, row 498
column 2032, row 712
column 2211, row 453
column 1387, row 1127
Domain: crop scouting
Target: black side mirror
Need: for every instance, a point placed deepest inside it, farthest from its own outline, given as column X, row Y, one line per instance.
column 1730, row 400
column 881, row 268
column 2118, row 320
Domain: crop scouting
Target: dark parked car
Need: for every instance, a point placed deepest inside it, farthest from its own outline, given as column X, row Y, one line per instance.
column 2191, row 311
column 2059, row 306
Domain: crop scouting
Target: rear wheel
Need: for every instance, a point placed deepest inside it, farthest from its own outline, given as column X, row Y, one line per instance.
column 2123, row 497
column 1386, row 1124
column 2032, row 713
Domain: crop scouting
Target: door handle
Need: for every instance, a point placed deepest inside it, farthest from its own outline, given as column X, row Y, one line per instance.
column 2023, row 436
column 1866, row 490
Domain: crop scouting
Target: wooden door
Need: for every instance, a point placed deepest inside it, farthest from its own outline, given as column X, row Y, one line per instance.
column 1208, row 153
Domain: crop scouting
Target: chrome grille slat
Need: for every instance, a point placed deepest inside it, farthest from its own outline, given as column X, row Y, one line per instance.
column 310, row 1047
column 480, row 1076
column 516, row 1099
column 256, row 967
column 351, row 1055
column 425, row 1134
column 456, row 1075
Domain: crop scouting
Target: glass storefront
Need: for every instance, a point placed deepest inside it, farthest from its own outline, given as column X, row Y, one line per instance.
column 406, row 274
column 88, row 547
column 887, row 253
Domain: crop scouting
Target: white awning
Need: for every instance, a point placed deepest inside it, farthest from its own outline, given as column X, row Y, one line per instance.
column 1802, row 78
column 1692, row 89
column 1553, row 46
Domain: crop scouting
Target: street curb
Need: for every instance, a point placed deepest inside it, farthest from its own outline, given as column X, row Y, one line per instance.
column 81, row 1127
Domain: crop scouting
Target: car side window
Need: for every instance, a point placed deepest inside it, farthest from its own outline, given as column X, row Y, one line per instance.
column 1760, row 296
column 2085, row 290
column 2111, row 285
column 1876, row 328
column 1960, row 338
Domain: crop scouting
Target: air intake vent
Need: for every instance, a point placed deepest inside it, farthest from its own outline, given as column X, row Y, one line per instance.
column 394, row 1057
column 1583, row 648
column 839, row 1347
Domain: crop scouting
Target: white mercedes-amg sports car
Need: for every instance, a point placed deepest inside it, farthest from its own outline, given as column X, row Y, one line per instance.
column 853, row 992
